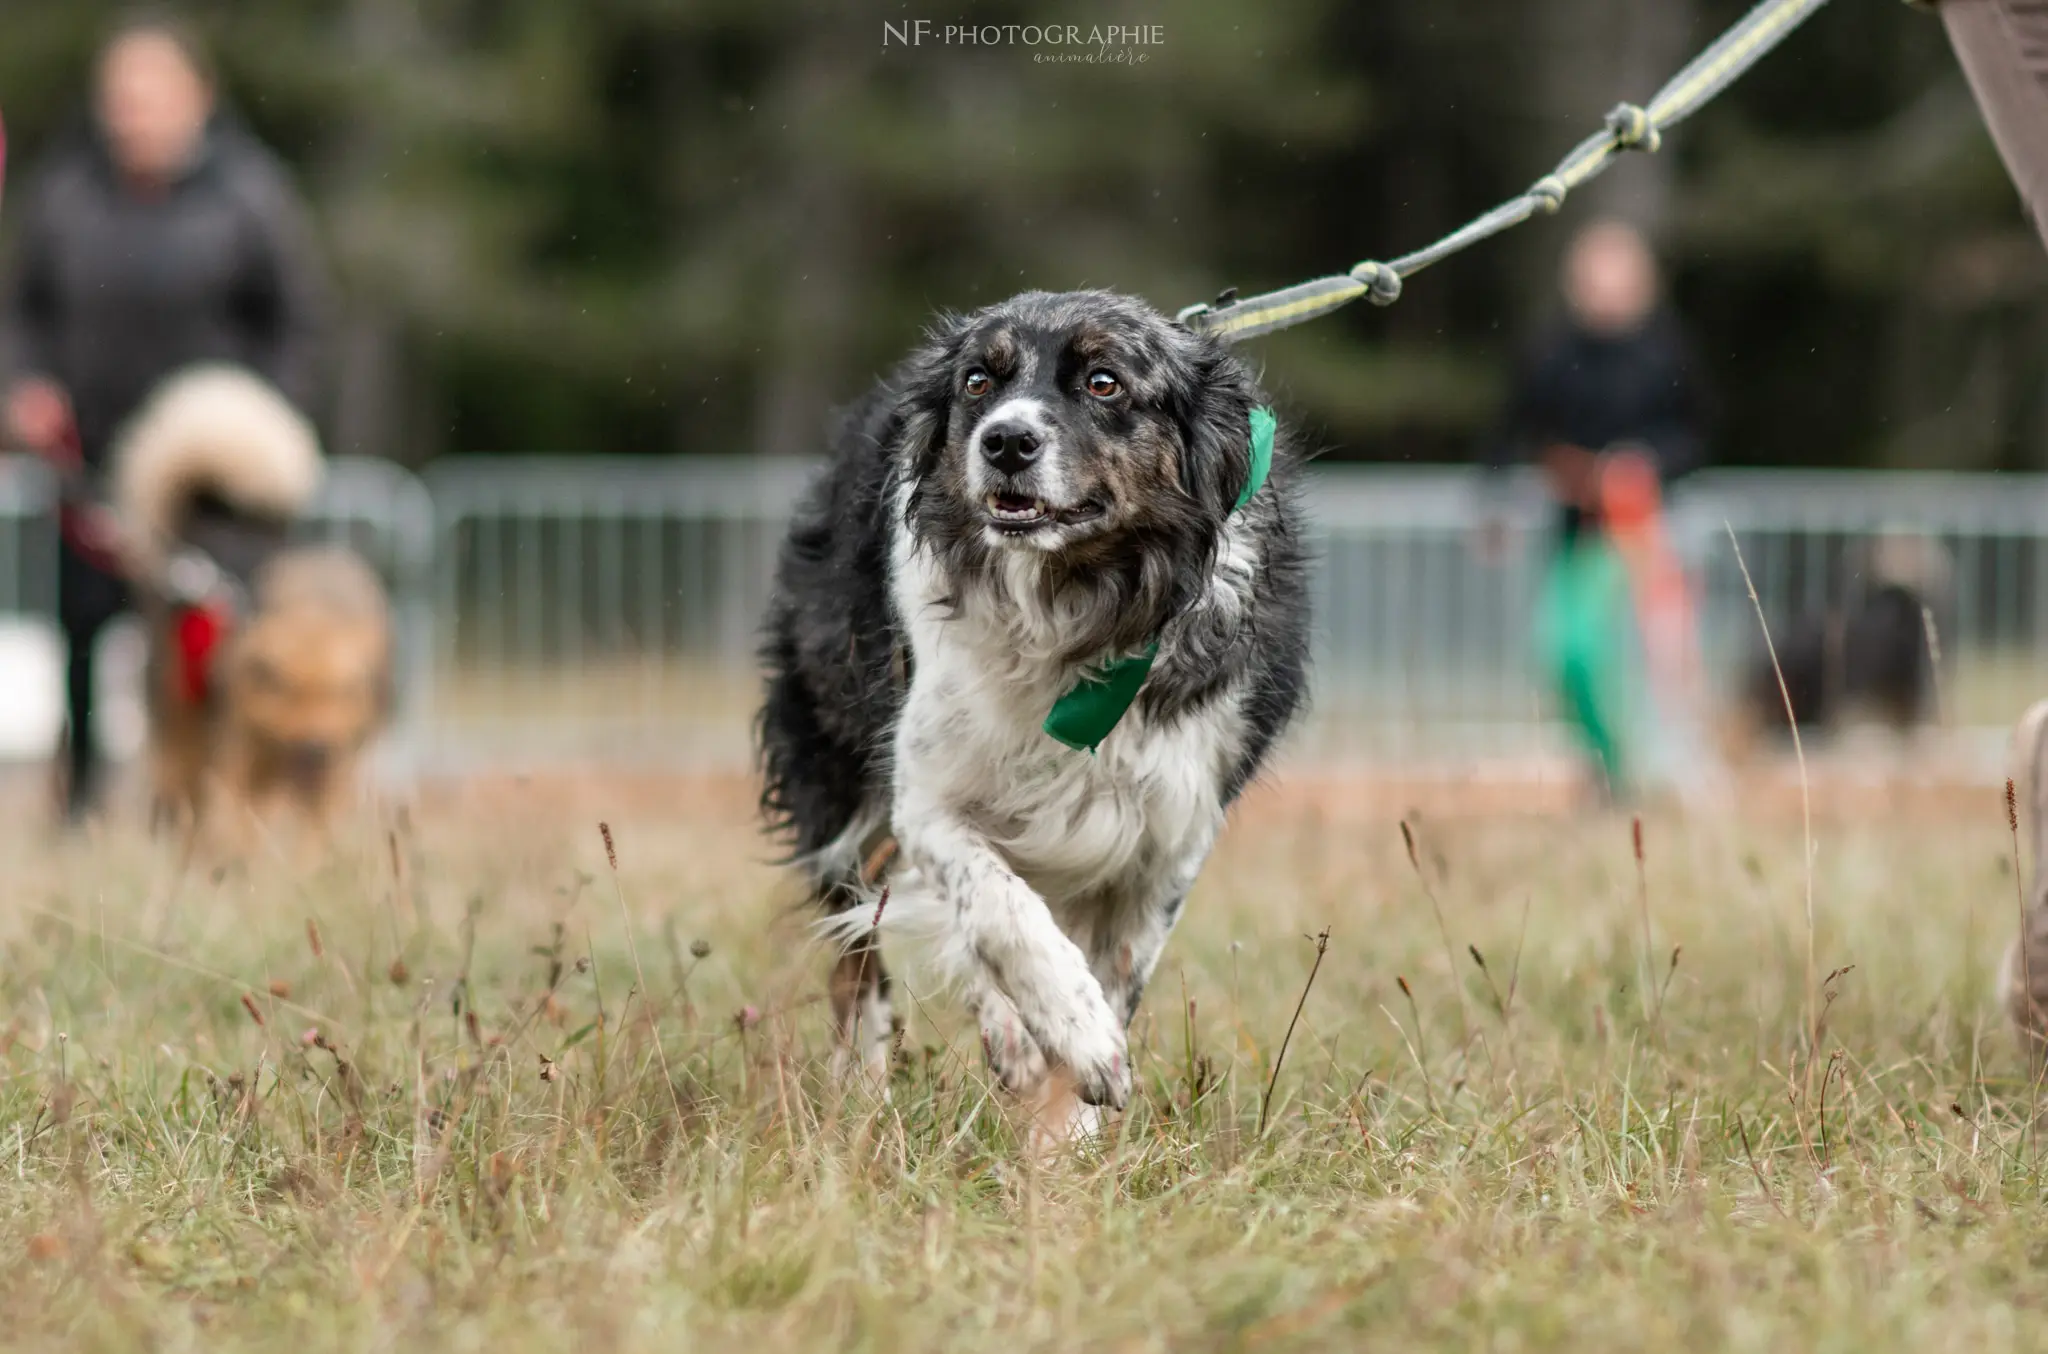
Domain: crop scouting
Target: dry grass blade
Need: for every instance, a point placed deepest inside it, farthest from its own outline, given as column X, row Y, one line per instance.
column 1651, row 1001
column 1322, row 944
column 611, row 855
column 1805, row 795
column 1443, row 932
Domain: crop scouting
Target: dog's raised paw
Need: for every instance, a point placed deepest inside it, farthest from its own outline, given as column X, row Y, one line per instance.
column 1107, row 1085
column 1087, row 1039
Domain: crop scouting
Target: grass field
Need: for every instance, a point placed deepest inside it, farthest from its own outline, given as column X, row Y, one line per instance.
column 471, row 1088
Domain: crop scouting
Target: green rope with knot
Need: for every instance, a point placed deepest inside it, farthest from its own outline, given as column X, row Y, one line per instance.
column 1627, row 127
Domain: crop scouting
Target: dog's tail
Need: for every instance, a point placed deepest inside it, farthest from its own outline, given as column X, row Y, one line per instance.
column 215, row 432
column 908, row 910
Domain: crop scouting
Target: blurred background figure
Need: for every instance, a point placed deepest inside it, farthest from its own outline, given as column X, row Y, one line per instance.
column 1608, row 405
column 158, row 234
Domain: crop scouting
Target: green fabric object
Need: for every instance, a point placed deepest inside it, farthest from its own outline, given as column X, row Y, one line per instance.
column 1085, row 715
column 1264, row 425
column 1583, row 634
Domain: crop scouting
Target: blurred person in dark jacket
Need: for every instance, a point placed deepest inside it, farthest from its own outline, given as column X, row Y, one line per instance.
column 159, row 235
column 1607, row 396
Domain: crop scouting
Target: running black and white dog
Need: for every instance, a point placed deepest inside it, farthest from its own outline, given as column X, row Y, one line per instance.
column 1047, row 492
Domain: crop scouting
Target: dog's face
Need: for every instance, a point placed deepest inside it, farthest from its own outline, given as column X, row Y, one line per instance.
column 309, row 688
column 1076, row 426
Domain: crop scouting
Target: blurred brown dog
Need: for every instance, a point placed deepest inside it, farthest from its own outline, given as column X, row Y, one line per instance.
column 306, row 683
column 268, row 664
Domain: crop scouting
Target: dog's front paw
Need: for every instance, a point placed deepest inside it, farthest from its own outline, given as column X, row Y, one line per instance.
column 1086, row 1038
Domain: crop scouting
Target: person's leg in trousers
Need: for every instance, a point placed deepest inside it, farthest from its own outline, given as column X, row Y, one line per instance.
column 81, row 780
column 86, row 600
column 1580, row 627
column 2002, row 46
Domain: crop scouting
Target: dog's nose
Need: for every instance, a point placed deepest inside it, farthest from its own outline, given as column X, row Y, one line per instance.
column 1010, row 447
column 307, row 760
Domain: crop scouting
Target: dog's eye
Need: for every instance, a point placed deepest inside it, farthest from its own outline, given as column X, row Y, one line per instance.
column 977, row 384
column 1102, row 385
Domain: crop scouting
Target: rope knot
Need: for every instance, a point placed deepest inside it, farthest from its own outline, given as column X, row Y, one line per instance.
column 1549, row 192
column 1382, row 284
column 1633, row 129
column 1187, row 315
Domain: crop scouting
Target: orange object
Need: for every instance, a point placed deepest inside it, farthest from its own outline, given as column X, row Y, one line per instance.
column 1632, row 507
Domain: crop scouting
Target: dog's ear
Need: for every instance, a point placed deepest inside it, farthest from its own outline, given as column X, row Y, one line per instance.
column 1217, row 431
column 925, row 402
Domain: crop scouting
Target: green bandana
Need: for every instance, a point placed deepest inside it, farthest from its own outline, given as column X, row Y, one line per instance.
column 1084, row 716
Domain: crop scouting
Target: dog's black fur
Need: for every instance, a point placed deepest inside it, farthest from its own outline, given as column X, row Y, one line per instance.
column 836, row 667
column 1161, row 468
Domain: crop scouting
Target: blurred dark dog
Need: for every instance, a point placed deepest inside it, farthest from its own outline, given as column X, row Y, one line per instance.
column 1870, row 659
column 249, row 641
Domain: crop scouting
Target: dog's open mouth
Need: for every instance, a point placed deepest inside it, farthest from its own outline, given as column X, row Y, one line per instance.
column 1017, row 514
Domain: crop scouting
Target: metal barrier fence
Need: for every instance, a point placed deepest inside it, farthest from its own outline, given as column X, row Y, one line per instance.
column 1424, row 630
column 605, row 610
column 608, row 609
column 28, row 537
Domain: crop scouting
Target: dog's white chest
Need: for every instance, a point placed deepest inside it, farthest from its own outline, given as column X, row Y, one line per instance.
column 1069, row 821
